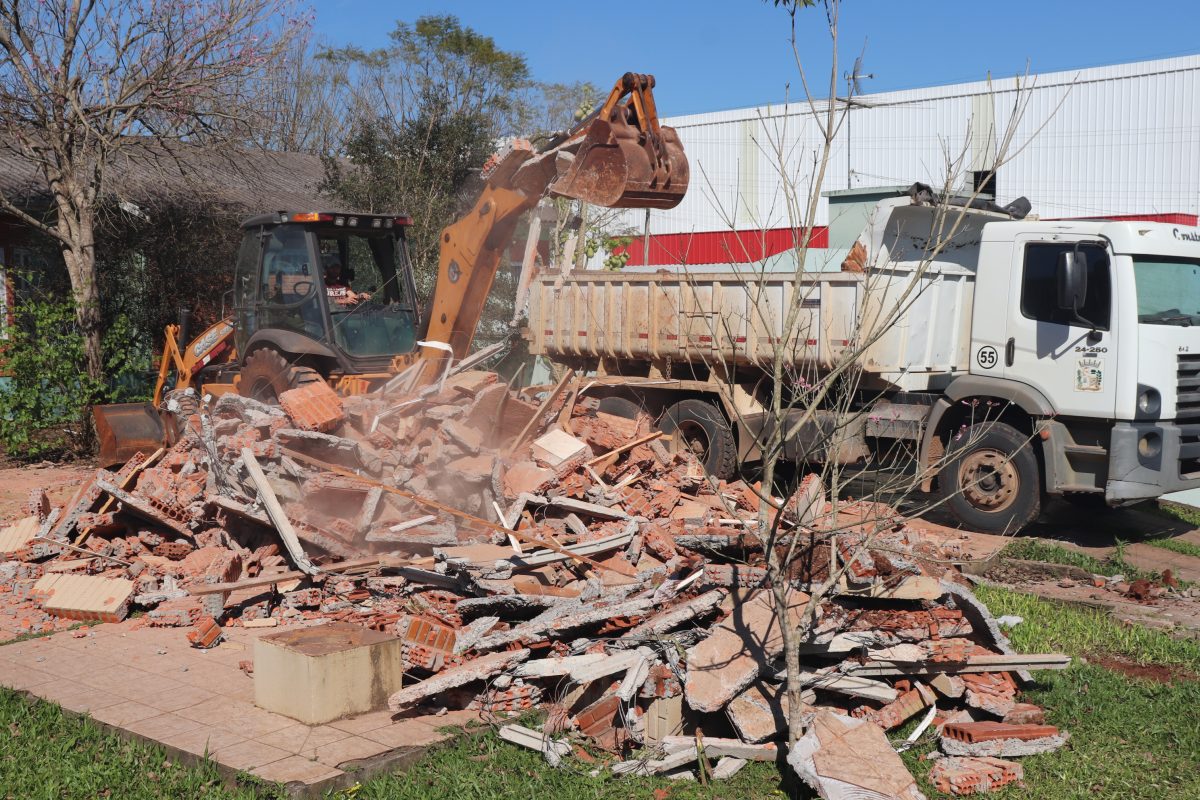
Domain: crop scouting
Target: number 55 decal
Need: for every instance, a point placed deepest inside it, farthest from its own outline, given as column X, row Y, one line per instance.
column 987, row 357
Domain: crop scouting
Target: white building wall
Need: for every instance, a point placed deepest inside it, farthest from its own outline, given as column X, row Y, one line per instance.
column 1115, row 140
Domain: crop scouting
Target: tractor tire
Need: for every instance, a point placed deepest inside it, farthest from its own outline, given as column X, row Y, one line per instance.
column 266, row 374
column 619, row 407
column 991, row 482
column 701, row 427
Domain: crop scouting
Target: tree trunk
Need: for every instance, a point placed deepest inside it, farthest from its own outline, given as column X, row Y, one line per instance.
column 79, row 255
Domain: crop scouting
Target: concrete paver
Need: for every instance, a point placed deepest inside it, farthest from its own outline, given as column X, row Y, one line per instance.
column 297, row 768
column 149, row 683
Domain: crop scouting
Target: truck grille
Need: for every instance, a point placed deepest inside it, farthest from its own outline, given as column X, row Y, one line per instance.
column 1187, row 409
column 1187, row 404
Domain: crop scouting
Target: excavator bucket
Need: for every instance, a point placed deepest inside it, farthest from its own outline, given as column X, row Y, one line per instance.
column 617, row 166
column 124, row 429
column 625, row 159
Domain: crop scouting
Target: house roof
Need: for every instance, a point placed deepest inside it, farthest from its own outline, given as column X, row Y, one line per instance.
column 146, row 173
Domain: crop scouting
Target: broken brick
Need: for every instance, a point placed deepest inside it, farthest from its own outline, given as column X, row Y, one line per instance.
column 964, row 775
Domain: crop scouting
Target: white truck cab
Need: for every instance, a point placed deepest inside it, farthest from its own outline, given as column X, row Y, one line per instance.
column 1094, row 329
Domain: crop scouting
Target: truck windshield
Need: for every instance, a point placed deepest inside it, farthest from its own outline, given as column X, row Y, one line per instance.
column 370, row 304
column 1168, row 290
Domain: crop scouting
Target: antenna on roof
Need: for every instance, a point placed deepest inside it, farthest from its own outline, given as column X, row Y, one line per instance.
column 853, row 87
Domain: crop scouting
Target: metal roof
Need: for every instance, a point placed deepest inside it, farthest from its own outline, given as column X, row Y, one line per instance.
column 146, row 173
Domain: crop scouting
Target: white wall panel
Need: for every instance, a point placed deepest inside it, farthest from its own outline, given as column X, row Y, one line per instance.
column 1123, row 139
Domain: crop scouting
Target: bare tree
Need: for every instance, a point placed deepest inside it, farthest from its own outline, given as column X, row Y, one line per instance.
column 84, row 82
column 800, row 387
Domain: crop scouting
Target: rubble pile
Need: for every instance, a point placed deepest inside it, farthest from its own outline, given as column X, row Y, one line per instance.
column 546, row 554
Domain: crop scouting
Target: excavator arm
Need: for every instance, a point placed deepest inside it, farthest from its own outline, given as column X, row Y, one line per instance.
column 618, row 157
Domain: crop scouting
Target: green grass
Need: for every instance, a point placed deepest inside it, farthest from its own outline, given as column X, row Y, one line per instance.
column 1177, row 546
column 1130, row 737
column 45, row 753
column 1039, row 550
column 1176, row 511
column 480, row 765
column 1051, row 627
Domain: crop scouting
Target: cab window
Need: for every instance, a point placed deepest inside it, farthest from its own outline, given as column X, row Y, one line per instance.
column 1039, row 284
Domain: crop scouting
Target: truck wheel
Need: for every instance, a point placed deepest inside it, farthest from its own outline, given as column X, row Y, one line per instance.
column 266, row 374
column 991, row 480
column 619, row 407
column 700, row 427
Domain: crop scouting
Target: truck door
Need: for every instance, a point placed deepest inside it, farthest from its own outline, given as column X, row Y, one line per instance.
column 1072, row 362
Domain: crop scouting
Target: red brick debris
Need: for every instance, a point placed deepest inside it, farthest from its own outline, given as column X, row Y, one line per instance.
column 528, row 554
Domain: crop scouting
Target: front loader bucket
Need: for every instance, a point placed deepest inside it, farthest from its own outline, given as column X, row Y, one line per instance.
column 617, row 166
column 125, row 429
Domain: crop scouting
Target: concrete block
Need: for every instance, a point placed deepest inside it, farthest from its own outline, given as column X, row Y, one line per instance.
column 557, row 447
column 17, row 536
column 84, row 597
column 328, row 672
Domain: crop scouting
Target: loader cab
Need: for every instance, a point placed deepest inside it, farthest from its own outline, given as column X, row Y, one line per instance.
column 355, row 323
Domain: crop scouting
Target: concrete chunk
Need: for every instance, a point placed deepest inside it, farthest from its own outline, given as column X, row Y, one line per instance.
column 843, row 758
column 738, row 649
column 476, row 670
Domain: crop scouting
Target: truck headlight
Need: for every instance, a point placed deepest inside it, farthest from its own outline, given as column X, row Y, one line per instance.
column 1149, row 402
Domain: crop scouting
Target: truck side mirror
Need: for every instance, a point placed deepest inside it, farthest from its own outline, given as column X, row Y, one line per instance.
column 1072, row 281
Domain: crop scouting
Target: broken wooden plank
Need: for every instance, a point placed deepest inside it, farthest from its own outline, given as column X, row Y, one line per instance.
column 536, row 419
column 412, row 523
column 266, row 580
column 650, row 437
column 991, row 663
column 283, row 525
column 850, row 685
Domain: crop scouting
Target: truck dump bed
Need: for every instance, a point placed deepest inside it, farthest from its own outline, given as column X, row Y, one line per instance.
column 917, row 310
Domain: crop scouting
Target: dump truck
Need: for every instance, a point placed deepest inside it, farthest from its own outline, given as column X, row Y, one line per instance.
column 292, row 324
column 1027, row 358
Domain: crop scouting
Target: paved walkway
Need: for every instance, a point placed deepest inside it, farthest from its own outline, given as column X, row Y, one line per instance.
column 150, row 683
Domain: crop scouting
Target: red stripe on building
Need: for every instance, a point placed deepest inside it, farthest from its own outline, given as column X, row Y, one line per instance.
column 719, row 247
column 748, row 246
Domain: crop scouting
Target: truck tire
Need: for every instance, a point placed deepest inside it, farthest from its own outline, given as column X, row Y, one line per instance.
column 703, row 429
column 991, row 481
column 266, row 374
column 619, row 407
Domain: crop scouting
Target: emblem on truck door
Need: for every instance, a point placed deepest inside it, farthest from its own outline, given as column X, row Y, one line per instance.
column 987, row 357
column 1089, row 375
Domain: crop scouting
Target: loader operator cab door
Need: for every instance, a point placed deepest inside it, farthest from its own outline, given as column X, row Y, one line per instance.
column 372, row 310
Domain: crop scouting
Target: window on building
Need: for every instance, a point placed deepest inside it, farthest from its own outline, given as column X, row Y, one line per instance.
column 1039, row 286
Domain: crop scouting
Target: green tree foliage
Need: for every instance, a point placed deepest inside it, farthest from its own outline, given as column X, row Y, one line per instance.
column 437, row 56
column 426, row 166
column 45, row 401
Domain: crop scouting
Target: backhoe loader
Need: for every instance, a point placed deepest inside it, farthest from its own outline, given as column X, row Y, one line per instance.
column 295, row 320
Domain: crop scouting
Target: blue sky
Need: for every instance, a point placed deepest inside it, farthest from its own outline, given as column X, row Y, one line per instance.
column 717, row 54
